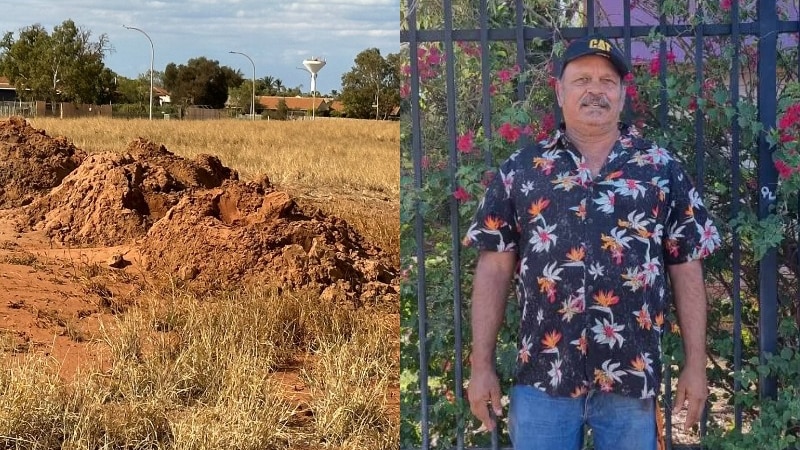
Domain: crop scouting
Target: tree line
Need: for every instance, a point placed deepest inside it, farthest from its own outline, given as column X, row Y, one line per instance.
column 67, row 65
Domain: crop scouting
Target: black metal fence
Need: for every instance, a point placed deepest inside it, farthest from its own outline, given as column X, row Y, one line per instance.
column 766, row 29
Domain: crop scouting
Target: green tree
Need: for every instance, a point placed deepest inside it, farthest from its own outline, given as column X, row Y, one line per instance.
column 269, row 85
column 279, row 86
column 66, row 65
column 200, row 82
column 371, row 89
column 242, row 96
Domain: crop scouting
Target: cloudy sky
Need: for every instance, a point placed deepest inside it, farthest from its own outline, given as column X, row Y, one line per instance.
column 277, row 35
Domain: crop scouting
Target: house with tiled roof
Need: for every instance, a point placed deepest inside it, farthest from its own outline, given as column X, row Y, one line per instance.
column 162, row 94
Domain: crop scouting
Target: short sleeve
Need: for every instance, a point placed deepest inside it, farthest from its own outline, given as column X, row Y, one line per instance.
column 690, row 232
column 495, row 226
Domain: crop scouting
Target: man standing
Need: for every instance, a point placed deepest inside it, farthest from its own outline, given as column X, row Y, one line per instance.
column 588, row 223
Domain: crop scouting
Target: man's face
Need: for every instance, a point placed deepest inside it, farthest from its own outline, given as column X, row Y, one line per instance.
column 590, row 92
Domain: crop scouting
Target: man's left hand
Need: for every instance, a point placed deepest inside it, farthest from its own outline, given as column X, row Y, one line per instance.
column 692, row 392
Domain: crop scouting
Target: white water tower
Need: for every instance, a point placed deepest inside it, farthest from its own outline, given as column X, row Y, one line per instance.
column 313, row 65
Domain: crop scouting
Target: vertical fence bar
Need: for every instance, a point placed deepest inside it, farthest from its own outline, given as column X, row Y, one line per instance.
column 699, row 139
column 626, row 47
column 662, row 120
column 767, row 181
column 590, row 7
column 486, row 98
column 419, row 226
column 486, row 119
column 519, row 10
column 699, row 117
column 735, row 206
column 455, row 232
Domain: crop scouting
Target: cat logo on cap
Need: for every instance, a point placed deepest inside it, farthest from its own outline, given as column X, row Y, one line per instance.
column 600, row 44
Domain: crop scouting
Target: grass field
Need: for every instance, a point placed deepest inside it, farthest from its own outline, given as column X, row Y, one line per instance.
column 182, row 371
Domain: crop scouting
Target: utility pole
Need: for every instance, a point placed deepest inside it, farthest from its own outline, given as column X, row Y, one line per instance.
column 253, row 103
column 152, row 55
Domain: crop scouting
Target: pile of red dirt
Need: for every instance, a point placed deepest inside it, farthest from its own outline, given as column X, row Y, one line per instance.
column 31, row 162
column 191, row 218
column 112, row 198
column 252, row 233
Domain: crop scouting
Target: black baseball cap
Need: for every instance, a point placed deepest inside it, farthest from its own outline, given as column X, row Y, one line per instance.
column 596, row 45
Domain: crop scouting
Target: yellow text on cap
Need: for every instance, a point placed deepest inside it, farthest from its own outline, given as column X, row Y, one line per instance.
column 600, row 44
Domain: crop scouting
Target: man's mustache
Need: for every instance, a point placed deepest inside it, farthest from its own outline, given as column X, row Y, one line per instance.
column 595, row 100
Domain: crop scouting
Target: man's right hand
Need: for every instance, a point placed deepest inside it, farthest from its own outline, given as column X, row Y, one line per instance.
column 483, row 392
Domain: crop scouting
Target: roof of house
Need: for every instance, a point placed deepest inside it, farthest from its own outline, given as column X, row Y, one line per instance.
column 293, row 103
column 5, row 84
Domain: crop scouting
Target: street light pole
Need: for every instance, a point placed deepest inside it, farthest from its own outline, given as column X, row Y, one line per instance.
column 253, row 104
column 152, row 55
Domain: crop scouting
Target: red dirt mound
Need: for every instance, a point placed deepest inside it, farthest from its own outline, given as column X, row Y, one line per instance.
column 31, row 162
column 249, row 232
column 112, row 198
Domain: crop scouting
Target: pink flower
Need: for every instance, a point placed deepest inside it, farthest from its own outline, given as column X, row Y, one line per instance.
column 528, row 130
column 670, row 57
column 505, row 75
column 405, row 90
column 509, row 132
column 790, row 118
column 725, row 5
column 548, row 123
column 435, row 57
column 628, row 78
column 655, row 66
column 461, row 194
column 465, row 143
column 469, row 48
column 693, row 104
column 784, row 171
column 631, row 91
column 425, row 162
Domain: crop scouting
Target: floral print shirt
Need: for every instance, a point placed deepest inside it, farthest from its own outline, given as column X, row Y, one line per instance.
column 592, row 252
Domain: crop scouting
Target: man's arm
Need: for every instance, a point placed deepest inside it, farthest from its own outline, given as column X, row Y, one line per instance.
column 489, row 292
column 690, row 301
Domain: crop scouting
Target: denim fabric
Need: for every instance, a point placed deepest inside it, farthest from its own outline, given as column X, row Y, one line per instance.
column 538, row 421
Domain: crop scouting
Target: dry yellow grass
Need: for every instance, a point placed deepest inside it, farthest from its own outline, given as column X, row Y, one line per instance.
column 322, row 154
column 190, row 373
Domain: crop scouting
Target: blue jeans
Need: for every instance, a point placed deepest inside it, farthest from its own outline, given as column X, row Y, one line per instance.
column 538, row 421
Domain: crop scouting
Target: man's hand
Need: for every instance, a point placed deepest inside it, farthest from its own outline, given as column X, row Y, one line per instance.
column 483, row 391
column 692, row 391
column 489, row 291
column 690, row 303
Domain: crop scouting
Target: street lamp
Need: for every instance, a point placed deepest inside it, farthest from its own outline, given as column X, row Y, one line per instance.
column 253, row 104
column 152, row 55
